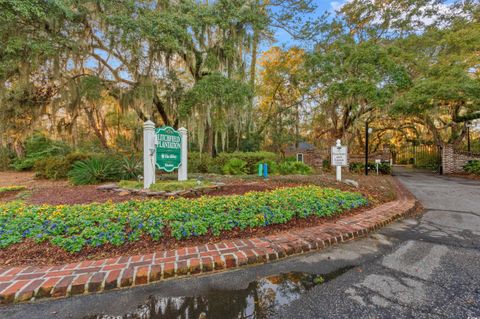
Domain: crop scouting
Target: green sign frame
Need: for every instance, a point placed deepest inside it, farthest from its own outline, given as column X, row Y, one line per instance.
column 168, row 149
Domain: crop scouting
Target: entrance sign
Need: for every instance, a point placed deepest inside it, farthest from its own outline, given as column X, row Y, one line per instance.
column 163, row 148
column 169, row 148
column 339, row 155
column 339, row 158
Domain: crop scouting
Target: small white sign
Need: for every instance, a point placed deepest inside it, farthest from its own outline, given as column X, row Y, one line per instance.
column 378, row 161
column 339, row 156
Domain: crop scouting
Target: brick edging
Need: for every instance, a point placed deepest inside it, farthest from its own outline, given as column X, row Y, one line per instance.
column 18, row 284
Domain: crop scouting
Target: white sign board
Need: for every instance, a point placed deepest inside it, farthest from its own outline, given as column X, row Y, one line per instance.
column 378, row 161
column 339, row 156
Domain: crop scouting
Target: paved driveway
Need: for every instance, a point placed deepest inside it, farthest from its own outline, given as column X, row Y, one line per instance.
column 425, row 267
column 431, row 271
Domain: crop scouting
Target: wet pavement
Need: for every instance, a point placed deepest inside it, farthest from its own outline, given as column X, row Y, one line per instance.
column 261, row 298
column 425, row 267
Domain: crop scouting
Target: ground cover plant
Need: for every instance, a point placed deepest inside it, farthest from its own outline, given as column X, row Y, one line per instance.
column 11, row 189
column 77, row 226
column 167, row 185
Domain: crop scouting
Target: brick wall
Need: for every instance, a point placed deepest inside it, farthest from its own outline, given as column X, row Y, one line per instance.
column 312, row 157
column 453, row 160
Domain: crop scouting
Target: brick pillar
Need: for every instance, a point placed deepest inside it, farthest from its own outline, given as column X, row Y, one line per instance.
column 448, row 159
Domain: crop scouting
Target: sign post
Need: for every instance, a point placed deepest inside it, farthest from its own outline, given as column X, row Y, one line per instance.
column 182, row 171
column 148, row 154
column 163, row 148
column 339, row 158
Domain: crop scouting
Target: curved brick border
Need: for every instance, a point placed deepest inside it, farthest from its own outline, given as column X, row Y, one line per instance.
column 30, row 283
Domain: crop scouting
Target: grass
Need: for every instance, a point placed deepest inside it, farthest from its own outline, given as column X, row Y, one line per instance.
column 167, row 186
column 11, row 188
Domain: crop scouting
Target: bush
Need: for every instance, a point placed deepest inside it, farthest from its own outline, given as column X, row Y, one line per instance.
column 472, row 167
column 427, row 160
column 235, row 166
column 251, row 159
column 131, row 167
column 359, row 168
column 294, row 168
column 95, row 170
column 207, row 164
column 356, row 168
column 39, row 147
column 202, row 164
column 6, row 158
column 57, row 167
column 52, row 167
column 75, row 227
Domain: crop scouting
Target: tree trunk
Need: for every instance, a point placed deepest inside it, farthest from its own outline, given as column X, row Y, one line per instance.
column 253, row 71
column 210, row 147
column 96, row 130
column 161, row 110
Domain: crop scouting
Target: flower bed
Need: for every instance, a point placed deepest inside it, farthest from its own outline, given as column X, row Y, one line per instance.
column 74, row 227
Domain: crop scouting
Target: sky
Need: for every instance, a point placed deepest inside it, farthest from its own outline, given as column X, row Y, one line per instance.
column 284, row 39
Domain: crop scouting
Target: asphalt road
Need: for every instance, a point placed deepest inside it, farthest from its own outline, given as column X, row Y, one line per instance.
column 424, row 267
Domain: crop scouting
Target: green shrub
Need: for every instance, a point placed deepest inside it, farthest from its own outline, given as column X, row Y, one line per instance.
column 251, row 159
column 202, row 164
column 472, row 167
column 359, row 168
column 57, row 167
column 326, row 165
column 235, row 166
column 131, row 167
column 52, row 167
column 7, row 156
column 206, row 164
column 294, row 168
column 39, row 147
column 77, row 226
column 427, row 160
column 95, row 170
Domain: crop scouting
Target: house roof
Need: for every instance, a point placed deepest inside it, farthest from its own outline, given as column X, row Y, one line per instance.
column 302, row 146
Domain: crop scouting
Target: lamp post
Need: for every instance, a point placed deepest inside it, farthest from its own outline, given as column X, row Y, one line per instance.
column 368, row 130
column 468, row 138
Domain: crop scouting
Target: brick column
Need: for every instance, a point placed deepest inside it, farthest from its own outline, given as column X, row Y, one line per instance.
column 448, row 159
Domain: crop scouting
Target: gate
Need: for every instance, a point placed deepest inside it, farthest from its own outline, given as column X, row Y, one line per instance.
column 420, row 156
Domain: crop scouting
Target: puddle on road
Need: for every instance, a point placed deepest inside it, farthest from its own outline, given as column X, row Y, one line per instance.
column 260, row 299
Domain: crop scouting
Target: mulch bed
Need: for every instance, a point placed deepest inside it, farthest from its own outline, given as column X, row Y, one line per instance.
column 8, row 196
column 377, row 188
